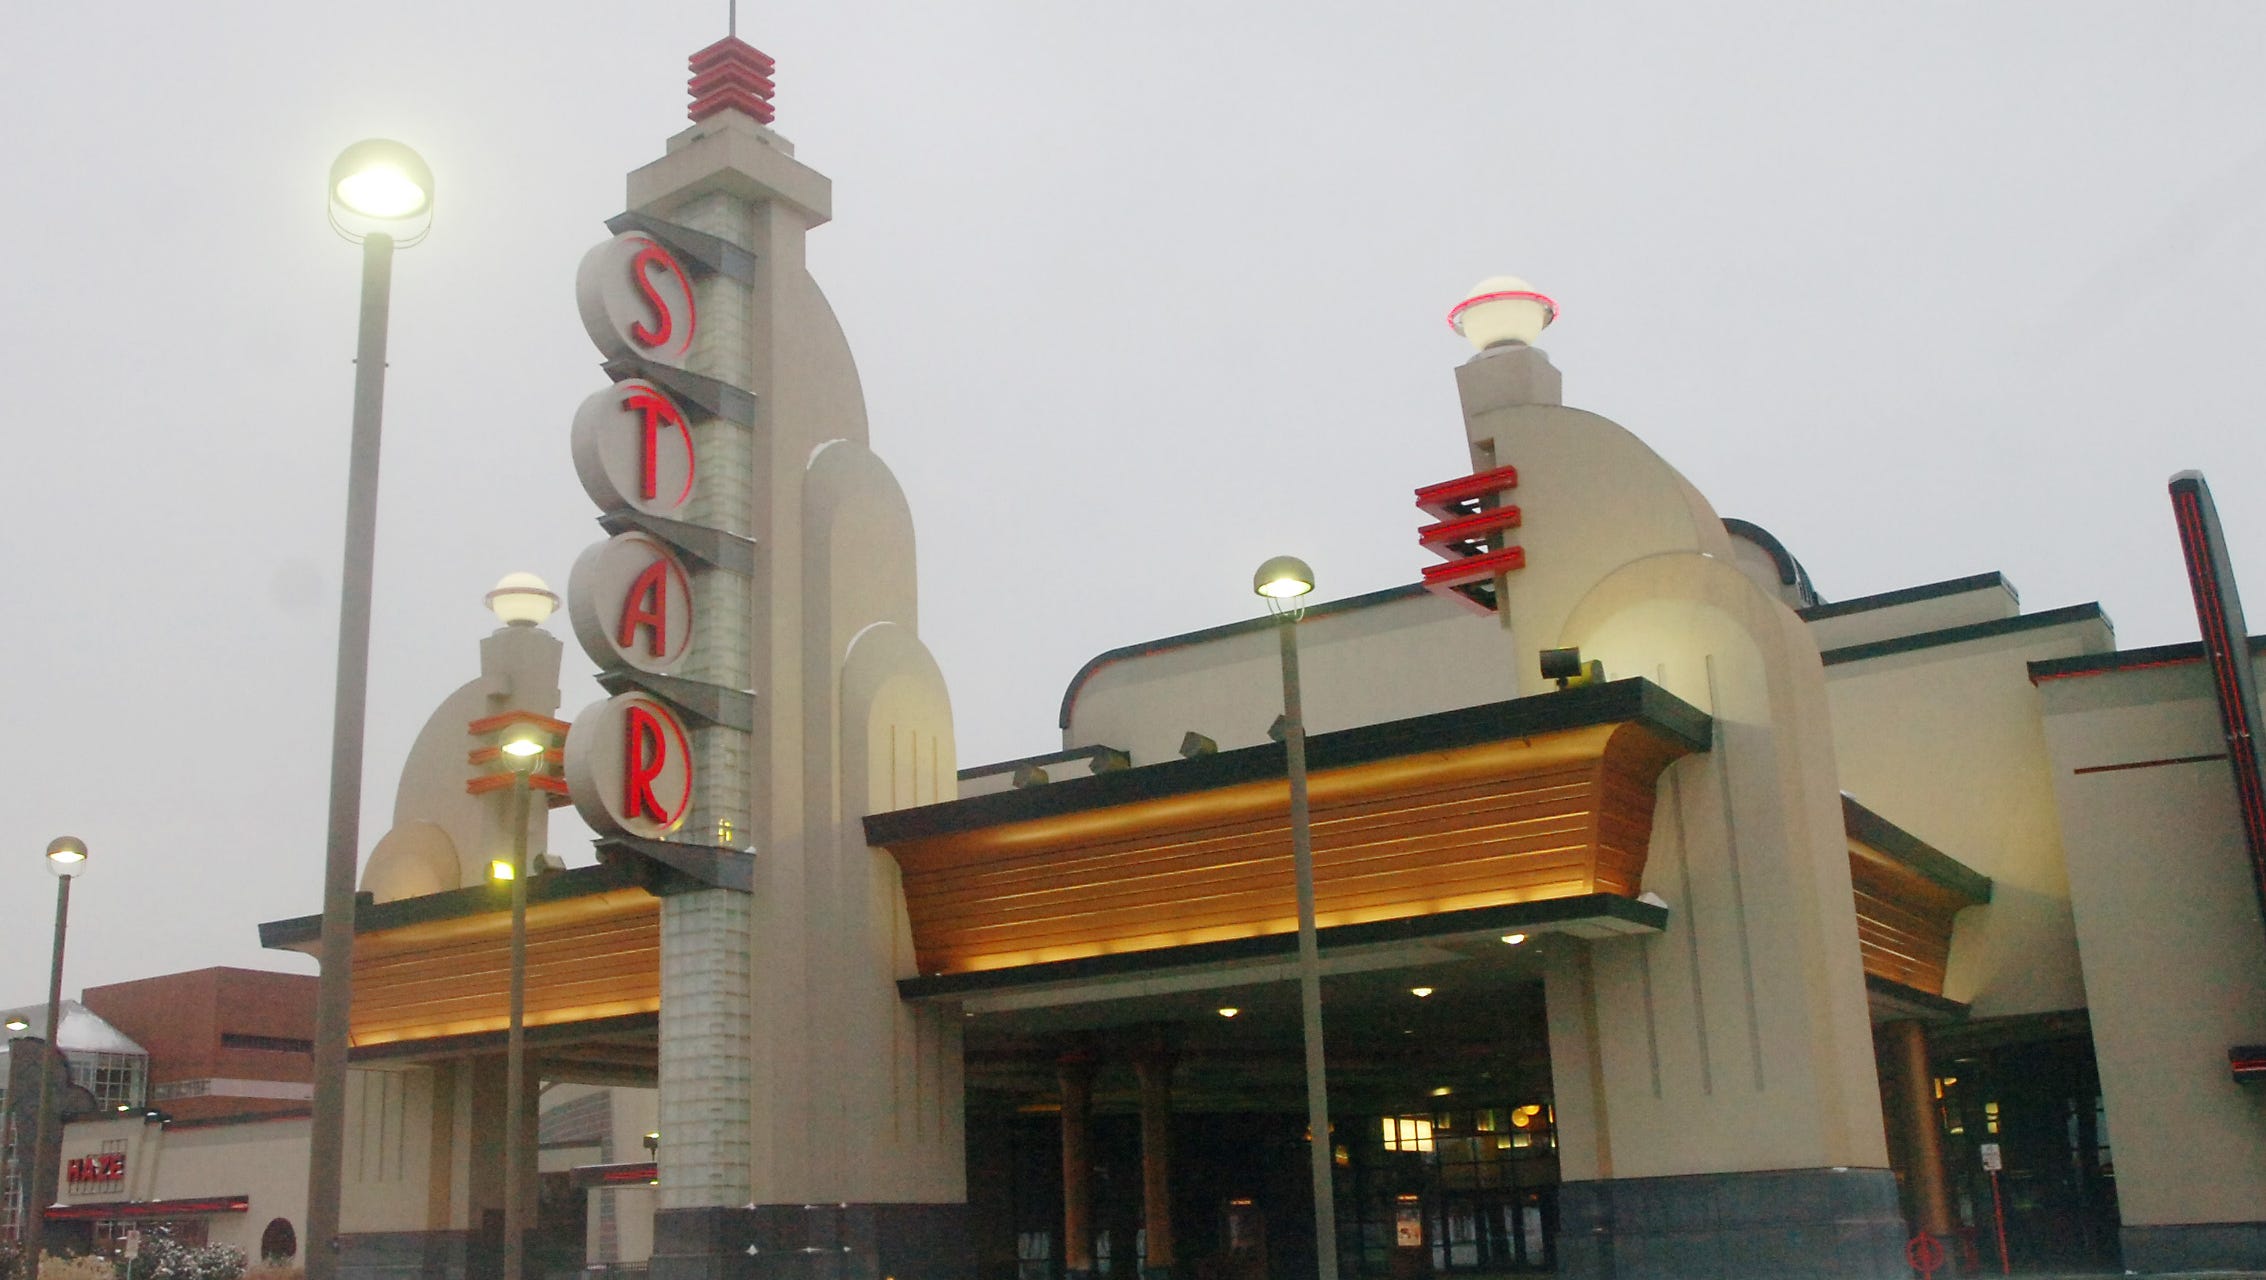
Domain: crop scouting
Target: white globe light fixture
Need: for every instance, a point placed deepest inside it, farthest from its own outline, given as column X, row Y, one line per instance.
column 1283, row 578
column 381, row 180
column 66, row 856
column 1500, row 311
column 522, row 600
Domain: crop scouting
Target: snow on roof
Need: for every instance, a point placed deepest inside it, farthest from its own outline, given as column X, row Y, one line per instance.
column 79, row 1031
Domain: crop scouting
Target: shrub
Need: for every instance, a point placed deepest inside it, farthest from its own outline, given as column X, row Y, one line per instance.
column 164, row 1258
column 52, row 1267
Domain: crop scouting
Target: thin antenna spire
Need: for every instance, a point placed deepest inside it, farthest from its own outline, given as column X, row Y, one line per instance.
column 732, row 17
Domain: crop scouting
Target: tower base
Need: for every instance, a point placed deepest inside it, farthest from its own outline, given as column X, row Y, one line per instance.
column 1785, row 1224
column 814, row 1242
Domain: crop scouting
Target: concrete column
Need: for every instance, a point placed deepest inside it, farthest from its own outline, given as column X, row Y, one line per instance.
column 1155, row 1070
column 1077, row 1073
column 1914, row 1105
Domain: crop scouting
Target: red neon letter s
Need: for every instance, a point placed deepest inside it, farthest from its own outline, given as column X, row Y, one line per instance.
column 647, row 606
column 643, row 757
column 652, row 254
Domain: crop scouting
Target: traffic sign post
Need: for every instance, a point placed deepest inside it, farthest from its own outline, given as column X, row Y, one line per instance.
column 1993, row 1162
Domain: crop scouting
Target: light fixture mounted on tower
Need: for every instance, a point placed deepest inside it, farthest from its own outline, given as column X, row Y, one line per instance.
column 1502, row 311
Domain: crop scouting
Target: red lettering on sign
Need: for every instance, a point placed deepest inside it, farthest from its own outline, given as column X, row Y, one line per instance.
column 647, row 607
column 656, row 412
column 110, row 1166
column 655, row 255
column 644, row 756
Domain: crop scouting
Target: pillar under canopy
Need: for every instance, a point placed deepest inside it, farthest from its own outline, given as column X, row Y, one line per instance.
column 1077, row 1075
column 1914, row 1101
column 1154, row 1068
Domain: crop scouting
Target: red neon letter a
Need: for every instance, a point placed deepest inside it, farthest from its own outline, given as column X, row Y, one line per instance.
column 643, row 756
column 647, row 606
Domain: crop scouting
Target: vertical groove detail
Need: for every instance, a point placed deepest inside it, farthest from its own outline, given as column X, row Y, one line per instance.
column 1691, row 934
column 1738, row 881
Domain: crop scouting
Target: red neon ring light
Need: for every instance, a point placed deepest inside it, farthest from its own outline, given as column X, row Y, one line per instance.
column 1549, row 308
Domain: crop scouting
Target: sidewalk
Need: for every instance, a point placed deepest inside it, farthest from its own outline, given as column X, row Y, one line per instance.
column 2153, row 1275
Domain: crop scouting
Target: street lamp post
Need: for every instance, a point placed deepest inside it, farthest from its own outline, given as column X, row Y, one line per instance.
column 66, row 858
column 1282, row 580
column 378, row 189
column 523, row 752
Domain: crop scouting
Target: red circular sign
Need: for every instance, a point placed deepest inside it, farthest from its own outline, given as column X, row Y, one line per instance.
column 1925, row 1253
column 636, row 300
column 631, row 603
column 633, row 449
column 629, row 767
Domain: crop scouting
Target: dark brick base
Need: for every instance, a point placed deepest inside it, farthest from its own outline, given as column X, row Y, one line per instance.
column 2202, row 1246
column 416, row 1255
column 1787, row 1224
column 814, row 1242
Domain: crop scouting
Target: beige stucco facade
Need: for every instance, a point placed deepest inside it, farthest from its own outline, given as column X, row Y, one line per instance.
column 2167, row 921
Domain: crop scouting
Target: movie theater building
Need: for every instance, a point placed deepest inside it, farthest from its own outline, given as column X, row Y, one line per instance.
column 191, row 1116
column 1783, row 932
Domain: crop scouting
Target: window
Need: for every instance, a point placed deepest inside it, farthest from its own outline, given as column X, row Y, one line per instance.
column 279, row 1243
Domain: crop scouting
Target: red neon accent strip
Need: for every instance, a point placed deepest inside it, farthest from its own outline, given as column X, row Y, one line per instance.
column 1550, row 309
column 732, row 99
column 731, row 49
column 2234, row 711
column 490, row 724
column 1451, row 499
column 2148, row 764
column 1445, row 538
column 1474, row 568
column 149, row 1208
column 629, row 1175
column 732, row 75
column 2111, row 671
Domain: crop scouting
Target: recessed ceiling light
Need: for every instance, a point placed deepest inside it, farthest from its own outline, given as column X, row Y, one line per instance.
column 1420, row 992
column 1442, row 1092
column 1229, row 1011
column 17, row 1024
column 1513, row 939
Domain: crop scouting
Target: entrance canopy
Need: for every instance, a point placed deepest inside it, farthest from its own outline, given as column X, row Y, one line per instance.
column 432, row 974
column 1527, row 814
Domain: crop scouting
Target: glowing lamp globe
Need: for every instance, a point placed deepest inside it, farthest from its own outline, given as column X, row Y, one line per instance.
column 381, row 179
column 1283, row 578
column 66, row 856
column 1502, row 310
column 522, row 600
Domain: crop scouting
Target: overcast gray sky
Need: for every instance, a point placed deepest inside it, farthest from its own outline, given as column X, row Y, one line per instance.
column 1141, row 295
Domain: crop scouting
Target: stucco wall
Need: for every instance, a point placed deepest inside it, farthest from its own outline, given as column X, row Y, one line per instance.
column 265, row 1160
column 1947, row 742
column 1399, row 658
column 2174, row 950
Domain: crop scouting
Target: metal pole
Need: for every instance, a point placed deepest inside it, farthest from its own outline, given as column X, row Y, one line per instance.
column 1309, row 959
column 35, row 1211
column 334, row 1001
column 515, row 1052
